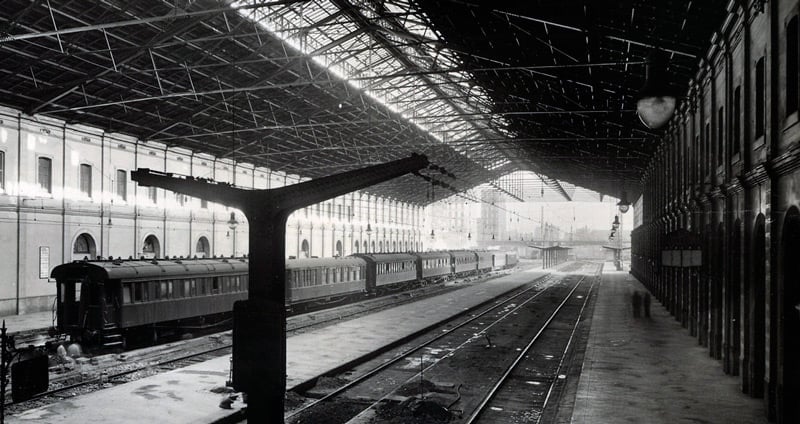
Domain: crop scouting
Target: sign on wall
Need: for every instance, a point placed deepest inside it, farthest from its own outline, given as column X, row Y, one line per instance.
column 44, row 262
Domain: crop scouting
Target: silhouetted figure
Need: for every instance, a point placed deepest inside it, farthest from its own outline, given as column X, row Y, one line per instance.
column 646, row 305
column 637, row 304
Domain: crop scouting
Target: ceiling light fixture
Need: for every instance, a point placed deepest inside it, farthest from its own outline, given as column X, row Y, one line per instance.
column 656, row 102
column 623, row 203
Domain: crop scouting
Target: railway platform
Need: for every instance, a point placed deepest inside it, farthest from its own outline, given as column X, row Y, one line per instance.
column 190, row 395
column 649, row 369
column 28, row 322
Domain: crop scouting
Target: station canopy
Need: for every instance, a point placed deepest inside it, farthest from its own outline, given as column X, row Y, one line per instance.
column 488, row 91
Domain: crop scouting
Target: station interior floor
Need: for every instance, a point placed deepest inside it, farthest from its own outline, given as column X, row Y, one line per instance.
column 650, row 370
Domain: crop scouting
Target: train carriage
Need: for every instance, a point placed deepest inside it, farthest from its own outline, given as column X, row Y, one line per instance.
column 103, row 302
column 97, row 300
column 485, row 261
column 321, row 279
column 432, row 266
column 389, row 269
column 464, row 262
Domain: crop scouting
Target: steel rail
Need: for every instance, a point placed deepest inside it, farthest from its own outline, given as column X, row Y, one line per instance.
column 409, row 351
column 495, row 389
column 508, row 313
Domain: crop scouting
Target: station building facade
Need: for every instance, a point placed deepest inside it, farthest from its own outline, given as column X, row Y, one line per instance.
column 728, row 177
column 66, row 194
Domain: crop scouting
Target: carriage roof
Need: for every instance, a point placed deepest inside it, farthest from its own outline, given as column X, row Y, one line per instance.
column 149, row 269
column 387, row 257
column 324, row 262
column 434, row 255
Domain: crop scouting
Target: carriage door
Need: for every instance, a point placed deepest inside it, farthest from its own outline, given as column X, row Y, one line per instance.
column 68, row 306
column 90, row 309
column 112, row 301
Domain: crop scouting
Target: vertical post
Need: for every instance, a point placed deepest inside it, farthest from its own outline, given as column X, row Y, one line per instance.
column 3, row 371
column 265, row 380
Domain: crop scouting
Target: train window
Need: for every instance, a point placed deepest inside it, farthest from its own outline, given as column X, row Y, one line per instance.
column 226, row 284
column 215, row 285
column 162, row 290
column 245, row 278
column 187, row 288
column 169, row 289
column 126, row 293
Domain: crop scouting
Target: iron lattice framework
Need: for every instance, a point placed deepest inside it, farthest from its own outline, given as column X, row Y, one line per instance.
column 565, row 74
column 318, row 87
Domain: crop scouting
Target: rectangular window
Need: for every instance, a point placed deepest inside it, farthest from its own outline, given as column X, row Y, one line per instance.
column 122, row 184
column 215, row 285
column 86, row 180
column 737, row 121
column 203, row 203
column 792, row 71
column 720, row 134
column 760, row 99
column 44, row 262
column 180, row 199
column 152, row 194
column 126, row 294
column 45, row 174
column 2, row 171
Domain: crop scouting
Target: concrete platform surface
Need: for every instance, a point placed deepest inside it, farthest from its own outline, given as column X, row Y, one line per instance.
column 650, row 370
column 351, row 339
column 26, row 322
column 184, row 396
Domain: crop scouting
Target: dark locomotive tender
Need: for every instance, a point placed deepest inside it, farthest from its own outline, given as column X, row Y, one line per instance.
column 105, row 302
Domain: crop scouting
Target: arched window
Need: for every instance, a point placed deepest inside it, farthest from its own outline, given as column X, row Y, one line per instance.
column 366, row 247
column 305, row 249
column 380, row 246
column 338, row 248
column 394, row 246
column 151, row 247
column 373, row 247
column 202, row 249
column 356, row 246
column 84, row 247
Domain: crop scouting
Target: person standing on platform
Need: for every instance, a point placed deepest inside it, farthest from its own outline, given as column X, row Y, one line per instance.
column 646, row 304
column 637, row 304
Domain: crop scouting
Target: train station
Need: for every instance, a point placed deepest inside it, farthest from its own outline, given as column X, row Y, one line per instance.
column 400, row 211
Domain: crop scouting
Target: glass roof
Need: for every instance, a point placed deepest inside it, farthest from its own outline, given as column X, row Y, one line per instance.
column 388, row 51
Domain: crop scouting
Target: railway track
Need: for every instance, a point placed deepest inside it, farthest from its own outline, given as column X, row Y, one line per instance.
column 534, row 380
column 446, row 376
column 107, row 373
